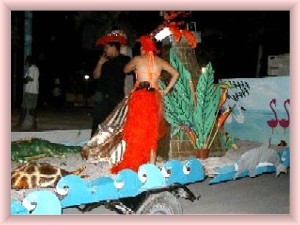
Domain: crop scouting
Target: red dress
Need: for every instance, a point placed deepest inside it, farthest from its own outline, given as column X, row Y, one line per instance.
column 144, row 124
column 140, row 130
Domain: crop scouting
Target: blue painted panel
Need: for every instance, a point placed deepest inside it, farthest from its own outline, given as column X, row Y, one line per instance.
column 151, row 177
column 193, row 170
column 174, row 169
column 131, row 184
column 43, row 203
column 254, row 95
column 16, row 208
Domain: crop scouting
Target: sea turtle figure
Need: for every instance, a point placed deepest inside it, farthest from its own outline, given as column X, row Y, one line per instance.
column 38, row 175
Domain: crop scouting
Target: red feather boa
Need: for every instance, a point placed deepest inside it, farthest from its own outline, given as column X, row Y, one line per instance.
column 141, row 129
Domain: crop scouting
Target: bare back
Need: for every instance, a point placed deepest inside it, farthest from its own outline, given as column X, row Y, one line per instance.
column 143, row 70
column 146, row 72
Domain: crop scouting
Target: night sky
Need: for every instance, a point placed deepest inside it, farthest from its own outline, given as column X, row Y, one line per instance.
column 229, row 40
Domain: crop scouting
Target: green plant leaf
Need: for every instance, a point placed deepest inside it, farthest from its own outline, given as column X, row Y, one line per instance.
column 178, row 103
column 180, row 108
column 208, row 97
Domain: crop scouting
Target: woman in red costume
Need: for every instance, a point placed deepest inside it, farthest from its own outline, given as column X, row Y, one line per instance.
column 145, row 111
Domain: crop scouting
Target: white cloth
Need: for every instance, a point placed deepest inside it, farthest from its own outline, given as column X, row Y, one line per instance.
column 32, row 86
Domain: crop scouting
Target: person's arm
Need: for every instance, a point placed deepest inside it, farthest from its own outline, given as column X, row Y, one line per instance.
column 27, row 79
column 130, row 66
column 174, row 76
column 31, row 74
column 97, row 69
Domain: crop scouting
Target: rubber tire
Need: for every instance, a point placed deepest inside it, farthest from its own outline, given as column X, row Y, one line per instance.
column 160, row 203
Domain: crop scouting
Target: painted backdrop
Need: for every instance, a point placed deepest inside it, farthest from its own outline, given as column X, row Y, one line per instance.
column 261, row 109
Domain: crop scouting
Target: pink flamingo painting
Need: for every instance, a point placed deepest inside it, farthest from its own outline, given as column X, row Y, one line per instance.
column 284, row 123
column 273, row 122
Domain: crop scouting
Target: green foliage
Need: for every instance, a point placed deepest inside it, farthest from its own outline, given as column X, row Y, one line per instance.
column 178, row 103
column 182, row 109
column 35, row 147
column 226, row 140
column 208, row 97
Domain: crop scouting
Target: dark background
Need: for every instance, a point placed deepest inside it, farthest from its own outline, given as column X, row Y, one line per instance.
column 65, row 48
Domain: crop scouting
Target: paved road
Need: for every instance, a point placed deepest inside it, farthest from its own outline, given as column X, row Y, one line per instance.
column 265, row 194
column 49, row 118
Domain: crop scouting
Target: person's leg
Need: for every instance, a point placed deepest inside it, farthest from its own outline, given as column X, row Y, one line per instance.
column 100, row 112
column 96, row 117
column 153, row 156
column 22, row 117
column 32, row 113
column 32, row 104
column 98, row 99
column 23, row 111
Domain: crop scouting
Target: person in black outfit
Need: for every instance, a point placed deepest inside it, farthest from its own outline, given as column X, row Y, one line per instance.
column 110, row 82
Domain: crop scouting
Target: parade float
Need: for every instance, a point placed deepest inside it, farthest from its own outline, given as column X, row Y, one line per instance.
column 197, row 111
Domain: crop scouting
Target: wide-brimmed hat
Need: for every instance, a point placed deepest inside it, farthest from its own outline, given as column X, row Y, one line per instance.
column 113, row 36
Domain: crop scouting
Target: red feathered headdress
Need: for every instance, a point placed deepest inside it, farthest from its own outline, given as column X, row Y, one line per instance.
column 147, row 43
column 114, row 36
